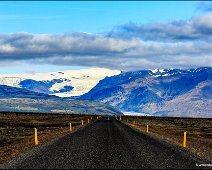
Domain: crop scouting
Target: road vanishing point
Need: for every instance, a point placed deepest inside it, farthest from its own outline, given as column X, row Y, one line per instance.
column 106, row 144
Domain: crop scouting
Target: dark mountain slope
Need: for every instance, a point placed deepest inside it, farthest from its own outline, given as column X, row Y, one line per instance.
column 148, row 90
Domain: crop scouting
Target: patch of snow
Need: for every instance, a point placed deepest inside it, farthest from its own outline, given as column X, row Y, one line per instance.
column 11, row 81
column 136, row 114
column 155, row 70
column 158, row 71
column 161, row 70
column 156, row 75
column 164, row 75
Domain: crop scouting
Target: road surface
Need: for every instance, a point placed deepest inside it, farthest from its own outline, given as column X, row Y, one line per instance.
column 106, row 144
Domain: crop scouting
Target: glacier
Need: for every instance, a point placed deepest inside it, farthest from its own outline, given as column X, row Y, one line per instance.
column 56, row 83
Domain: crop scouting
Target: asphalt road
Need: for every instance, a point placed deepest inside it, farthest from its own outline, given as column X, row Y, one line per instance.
column 106, row 144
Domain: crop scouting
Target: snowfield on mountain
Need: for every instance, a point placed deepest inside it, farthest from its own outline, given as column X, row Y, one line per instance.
column 61, row 83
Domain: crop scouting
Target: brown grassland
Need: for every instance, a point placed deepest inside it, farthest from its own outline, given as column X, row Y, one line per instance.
column 17, row 131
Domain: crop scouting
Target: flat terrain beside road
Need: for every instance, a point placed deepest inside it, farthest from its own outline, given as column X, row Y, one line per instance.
column 199, row 131
column 106, row 143
column 17, row 130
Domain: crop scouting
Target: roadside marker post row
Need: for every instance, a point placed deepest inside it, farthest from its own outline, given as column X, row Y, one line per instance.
column 36, row 131
column 147, row 130
column 184, row 137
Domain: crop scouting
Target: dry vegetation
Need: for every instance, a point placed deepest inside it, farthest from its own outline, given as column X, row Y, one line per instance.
column 17, row 130
column 199, row 131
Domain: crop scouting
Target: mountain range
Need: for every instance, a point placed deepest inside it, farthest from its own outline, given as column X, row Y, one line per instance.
column 61, row 83
column 160, row 92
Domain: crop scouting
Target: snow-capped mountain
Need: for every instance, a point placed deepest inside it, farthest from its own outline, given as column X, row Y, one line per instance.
column 164, row 92
column 61, row 83
column 170, row 92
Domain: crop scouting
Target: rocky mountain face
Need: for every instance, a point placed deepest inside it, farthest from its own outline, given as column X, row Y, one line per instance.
column 166, row 92
column 14, row 92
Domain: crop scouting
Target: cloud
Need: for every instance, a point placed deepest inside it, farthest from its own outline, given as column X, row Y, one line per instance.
column 198, row 27
column 28, row 46
column 203, row 24
column 127, row 47
column 32, row 72
column 77, row 44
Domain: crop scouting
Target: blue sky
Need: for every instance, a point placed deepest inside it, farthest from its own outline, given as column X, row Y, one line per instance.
column 116, row 24
column 57, row 17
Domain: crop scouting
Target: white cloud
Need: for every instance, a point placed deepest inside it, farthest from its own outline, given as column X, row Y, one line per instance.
column 198, row 27
column 175, row 44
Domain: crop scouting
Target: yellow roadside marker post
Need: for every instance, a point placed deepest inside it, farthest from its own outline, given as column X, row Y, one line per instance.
column 36, row 136
column 184, row 140
column 82, row 122
column 147, row 128
column 70, row 127
column 88, row 121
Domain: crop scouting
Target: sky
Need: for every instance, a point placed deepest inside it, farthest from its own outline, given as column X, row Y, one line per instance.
column 55, row 36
